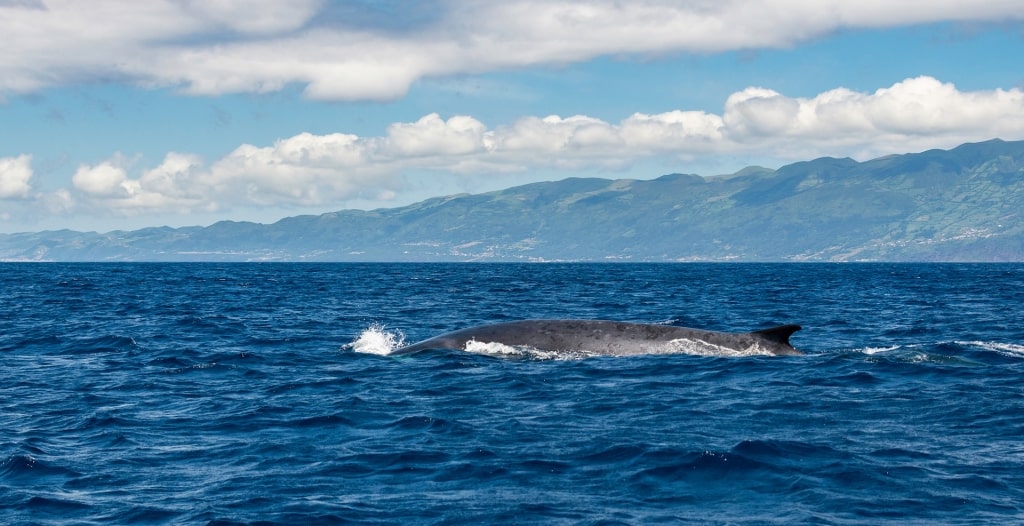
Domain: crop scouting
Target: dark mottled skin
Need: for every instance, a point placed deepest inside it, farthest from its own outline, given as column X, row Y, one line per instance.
column 604, row 337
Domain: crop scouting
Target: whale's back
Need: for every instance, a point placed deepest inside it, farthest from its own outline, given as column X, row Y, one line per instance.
column 603, row 337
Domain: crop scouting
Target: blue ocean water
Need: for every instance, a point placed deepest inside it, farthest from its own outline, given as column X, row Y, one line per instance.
column 234, row 393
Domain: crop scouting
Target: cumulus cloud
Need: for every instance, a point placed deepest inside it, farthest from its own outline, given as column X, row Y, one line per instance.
column 907, row 113
column 225, row 46
column 15, row 174
column 309, row 169
column 459, row 135
column 106, row 179
column 305, row 169
column 169, row 187
column 171, row 178
column 665, row 132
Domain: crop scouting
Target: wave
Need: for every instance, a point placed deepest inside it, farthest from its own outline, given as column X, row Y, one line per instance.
column 943, row 352
column 1007, row 349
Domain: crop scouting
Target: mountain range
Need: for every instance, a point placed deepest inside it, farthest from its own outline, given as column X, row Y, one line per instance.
column 963, row 204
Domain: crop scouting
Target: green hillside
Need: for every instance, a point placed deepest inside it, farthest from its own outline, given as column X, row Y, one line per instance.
column 963, row 204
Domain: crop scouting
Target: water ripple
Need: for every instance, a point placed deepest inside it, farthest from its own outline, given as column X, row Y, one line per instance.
column 230, row 394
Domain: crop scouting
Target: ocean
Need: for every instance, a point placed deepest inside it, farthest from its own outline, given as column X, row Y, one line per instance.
column 139, row 393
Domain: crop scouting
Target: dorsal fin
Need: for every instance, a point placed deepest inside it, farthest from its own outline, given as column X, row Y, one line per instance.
column 778, row 334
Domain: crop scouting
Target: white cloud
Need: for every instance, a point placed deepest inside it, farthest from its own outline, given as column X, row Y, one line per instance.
column 221, row 46
column 15, row 176
column 305, row 169
column 904, row 115
column 168, row 187
column 431, row 136
column 666, row 132
column 106, row 179
column 255, row 16
column 308, row 169
column 925, row 105
column 544, row 136
column 757, row 112
column 172, row 178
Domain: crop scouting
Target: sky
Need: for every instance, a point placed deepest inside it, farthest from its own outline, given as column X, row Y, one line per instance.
column 124, row 114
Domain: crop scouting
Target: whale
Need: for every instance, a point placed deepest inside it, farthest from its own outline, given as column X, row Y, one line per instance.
column 613, row 338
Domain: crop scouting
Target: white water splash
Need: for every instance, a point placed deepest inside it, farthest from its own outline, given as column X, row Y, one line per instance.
column 876, row 350
column 494, row 348
column 518, row 351
column 376, row 339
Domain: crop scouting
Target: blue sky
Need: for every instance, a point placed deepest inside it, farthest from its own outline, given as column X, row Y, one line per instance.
column 121, row 115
